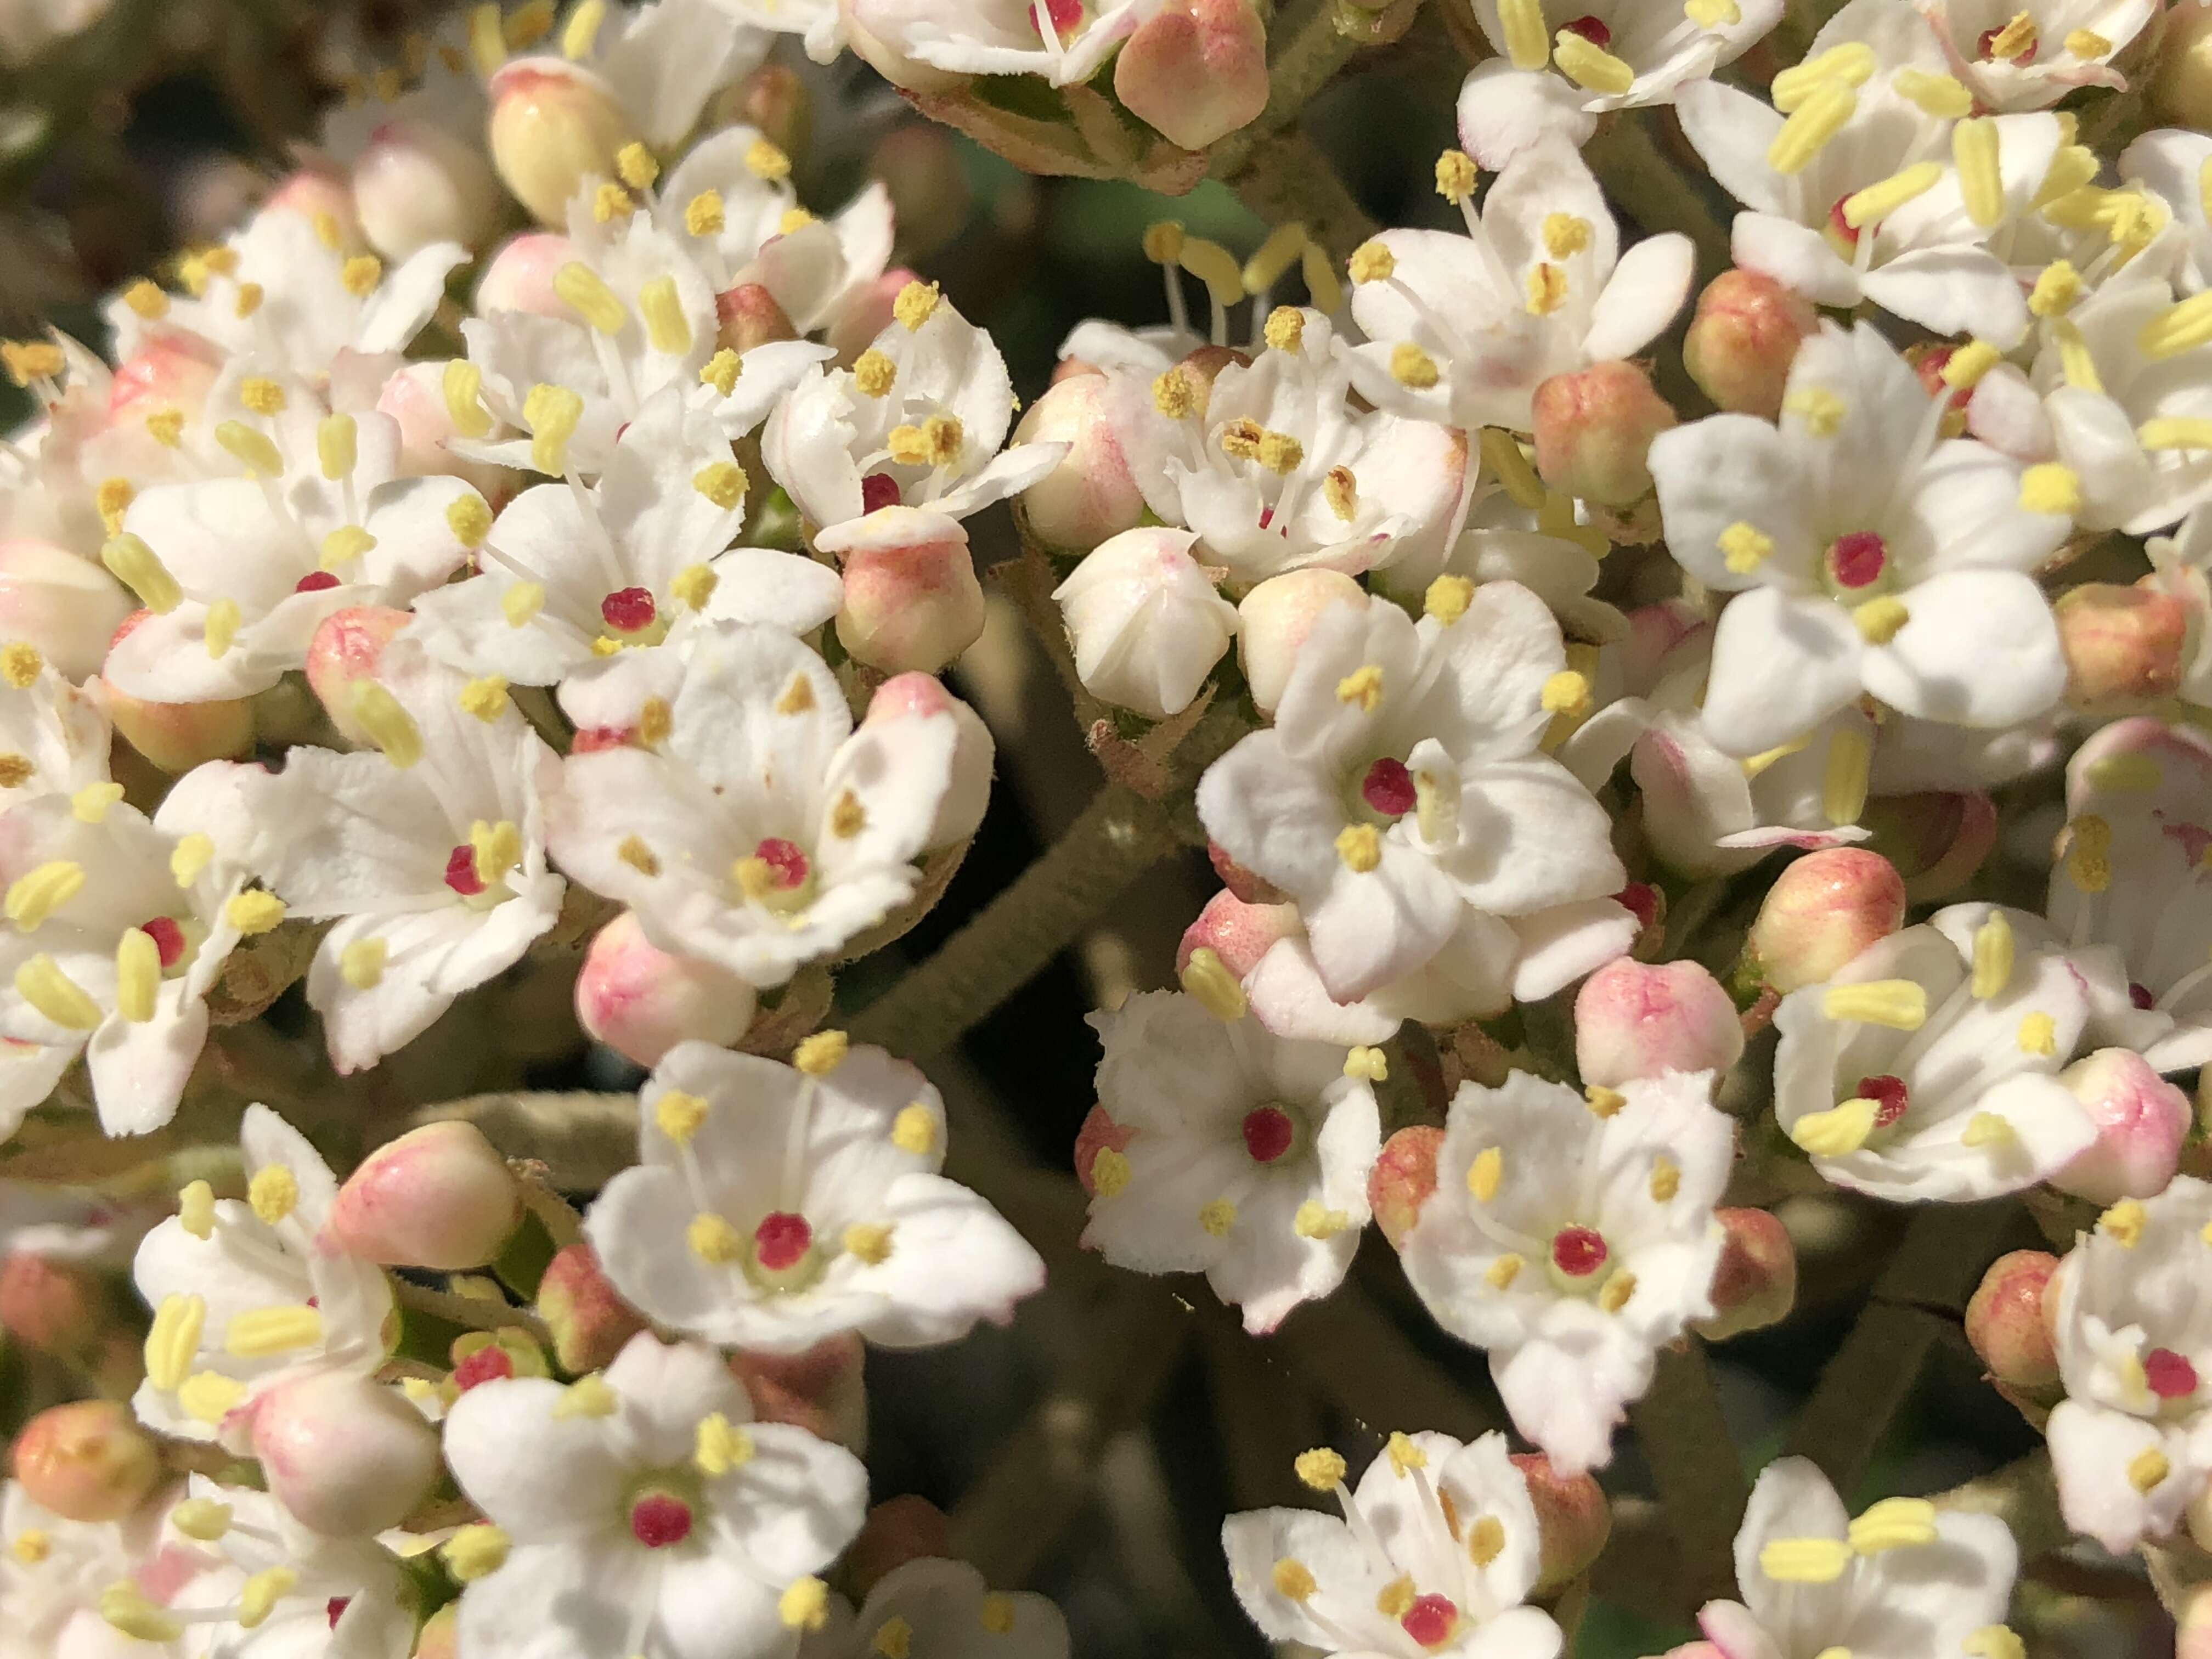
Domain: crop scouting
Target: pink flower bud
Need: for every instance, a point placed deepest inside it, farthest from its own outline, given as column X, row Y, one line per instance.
column 2181, row 83
column 897, row 1530
column 1274, row 620
column 1144, row 622
column 912, row 601
column 50, row 1306
column 519, row 276
column 1635, row 1019
column 641, row 1000
column 1248, row 884
column 1573, row 1519
column 1091, row 494
column 69, row 608
column 441, row 1636
column 177, row 736
column 1937, row 840
column 920, row 165
column 346, row 1455
column 1239, row 933
column 416, row 399
column 553, row 126
column 171, row 372
column 1196, row 69
column 819, row 1389
column 1402, row 1179
column 1099, row 1134
column 589, row 1321
column 1822, row 910
column 344, row 651
column 416, row 183
column 324, row 200
column 87, row 1460
column 1655, row 630
column 961, row 812
column 440, row 1196
column 1594, row 431
column 2123, row 646
column 1756, row 1282
column 748, row 315
column 2140, row 1119
column 1743, row 339
column 2006, row 1322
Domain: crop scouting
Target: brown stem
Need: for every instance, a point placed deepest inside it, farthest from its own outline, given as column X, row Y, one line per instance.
column 1701, row 1478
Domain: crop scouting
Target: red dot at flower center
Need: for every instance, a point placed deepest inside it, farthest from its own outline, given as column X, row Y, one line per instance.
column 2142, row 995
column 168, row 938
column 1269, row 1133
column 782, row 1241
column 1858, row 558
column 461, row 872
column 658, row 1520
column 489, row 1364
column 1888, row 1095
column 335, row 1608
column 628, row 611
column 1841, row 226
column 1389, row 788
column 784, row 857
column 877, row 490
column 1066, row 15
column 1578, row 1252
column 1641, row 900
column 2170, row 1375
column 315, row 581
column 1592, row 29
column 1985, row 46
column 1430, row 1620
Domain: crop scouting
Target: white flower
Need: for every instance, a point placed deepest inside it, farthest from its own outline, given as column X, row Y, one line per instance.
column 1871, row 555
column 775, row 1207
column 2181, row 565
column 1903, row 1579
column 2131, row 1443
column 570, row 575
column 1463, row 329
column 52, row 1571
column 1247, row 1156
column 434, row 872
column 1437, row 1549
column 2013, row 55
column 934, row 1607
column 2169, row 162
column 661, row 62
column 1545, row 549
column 1572, row 1239
column 1065, row 44
column 53, row 737
column 1400, row 798
column 917, row 420
column 822, row 22
column 1860, row 145
column 1927, row 1067
column 646, row 1513
column 753, row 826
column 246, row 1297
column 240, row 572
column 1145, row 621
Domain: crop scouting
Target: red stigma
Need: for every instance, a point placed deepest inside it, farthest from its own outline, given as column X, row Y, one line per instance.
column 2170, row 1375
column 658, row 1520
column 461, row 872
column 628, row 611
column 1841, row 226
column 1067, row 16
column 1857, row 559
column 782, row 1241
column 1389, row 788
column 1269, row 1133
column 336, row 1607
column 1430, row 1620
column 489, row 1364
column 784, row 858
column 1593, row 30
column 315, row 581
column 879, row 490
column 1888, row 1095
column 2142, row 995
column 1578, row 1252
column 168, row 938
column 1641, row 900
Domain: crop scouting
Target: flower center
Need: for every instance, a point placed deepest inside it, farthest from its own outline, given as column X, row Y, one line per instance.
column 1269, row 1133
column 878, row 490
column 1986, row 46
column 1840, row 229
column 1430, row 1620
column 2140, row 994
column 629, row 610
column 1593, row 30
column 1389, row 788
column 334, row 1609
column 168, row 937
column 315, row 581
column 782, row 1241
column 659, row 1519
column 1641, row 900
column 1066, row 15
column 1858, row 559
column 2170, row 1375
column 461, row 872
column 489, row 1364
column 1578, row 1252
column 1888, row 1095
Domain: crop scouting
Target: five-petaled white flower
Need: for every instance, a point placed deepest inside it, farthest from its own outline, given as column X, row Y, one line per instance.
column 940, row 1609
column 2028, row 54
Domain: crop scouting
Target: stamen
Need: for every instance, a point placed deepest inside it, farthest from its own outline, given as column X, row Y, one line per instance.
column 137, row 567
column 1206, row 977
column 1899, row 1004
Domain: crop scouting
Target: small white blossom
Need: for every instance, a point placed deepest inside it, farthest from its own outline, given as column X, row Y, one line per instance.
column 940, row 1609
column 2013, row 55
column 1145, row 621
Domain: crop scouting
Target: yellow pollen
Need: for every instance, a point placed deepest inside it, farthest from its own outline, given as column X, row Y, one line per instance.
column 797, row 697
column 1485, row 1173
column 2051, row 486
column 126, row 1607
column 1827, row 109
column 694, row 586
column 1340, row 488
column 32, row 360
column 1274, row 255
column 1993, row 957
column 590, row 1395
column 1456, row 175
column 1618, row 1289
column 345, row 544
column 1175, row 395
column 1447, row 598
column 714, row 1240
column 1821, row 410
column 552, row 413
column 1486, row 1541
column 20, row 664
column 997, row 1613
column 914, row 1131
column 113, row 499
column 1371, row 262
column 1214, row 265
column 792, row 219
column 1805, row 1560
column 190, row 858
column 944, row 437
column 1880, row 621
column 1320, row 1468
column 1894, row 1523
column 634, row 852
column 702, row 214
column 2181, row 328
column 917, row 304
column 722, row 482
column 1526, row 42
column 907, row 446
column 361, row 274
column 196, row 1208
column 137, row 976
column 874, row 374
column 37, row 894
column 1993, row 1642
column 272, row 1192
column 261, row 395
column 1745, row 547
column 1878, row 200
column 585, row 294
column 1666, row 1181
column 1589, row 66
column 611, row 202
column 253, row 912
column 1293, row 1579
column 259, row 1595
column 260, row 1333
column 894, row 1639
column 2038, row 1035
column 867, row 1240
column 2087, row 45
column 41, row 982
column 1207, row 979
column 486, row 698
column 1412, row 366
column 1163, row 242
column 1280, row 452
column 636, row 166
column 1109, row 1173
column 2058, row 289
column 2015, row 39
column 1359, row 847
column 172, row 1339
column 678, row 1115
column 718, row 1445
column 722, row 371
column 140, row 569
column 1565, row 693
column 1316, row 1220
column 1986, row 1129
column 474, row 1552
column 2147, row 1469
column 1502, row 1272
column 1604, row 1102
column 361, row 964
column 167, row 428
column 822, row 1054
column 1901, row 1005
column 1565, row 235
column 1852, row 64
column 2174, row 432
column 1369, row 1063
column 1844, row 778
column 2124, row 1222
column 202, row 1518
column 667, row 328
column 470, row 520
column 1364, row 686
column 145, row 299
column 2088, row 862
column 805, row 1605
column 1217, row 1217
column 2071, row 170
column 1840, row 1130
column 1548, row 289
column 1396, row 1598
column 764, row 161
column 521, row 603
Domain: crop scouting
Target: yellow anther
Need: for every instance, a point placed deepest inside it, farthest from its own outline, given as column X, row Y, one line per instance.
column 1364, row 686
column 190, row 858
column 137, row 976
column 497, row 848
column 585, row 293
column 273, row 1193
column 1987, row 1129
column 361, row 964
column 1216, row 267
column 718, row 1445
column 1993, row 957
column 2167, row 432
column 1217, row 1217
column 474, row 1552
column 589, row 1395
column 202, row 1518
column 1372, row 261
column 2051, row 486
column 90, row 804
column 722, row 371
column 2017, row 39
column 1666, row 1181
column 1894, row 1523
column 917, row 304
column 908, row 445
column 1486, row 1539
column 195, row 1209
column 140, row 569
column 793, row 219
column 389, row 725
column 1367, row 1062
column 1359, row 847
column 2070, row 171
column 1280, row 452
column 722, row 482
column 1565, row 693
column 1163, row 242
column 1293, row 1579
column 997, row 1613
column 165, row 427
column 1827, row 109
column 1844, row 778
column 1880, row 621
column 2147, row 1469
column 125, row 1607
column 113, row 499
column 1340, row 488
column 667, row 328
column 678, row 1115
column 1485, row 1172
column 1822, row 411
column 1501, row 1273
column 1410, row 366
column 1395, row 1599
column 1287, row 328
column 1805, row 1560
column 1526, row 42
column 867, row 1240
column 1900, row 1005
column 634, row 852
column 486, row 43
column 944, row 438
column 914, row 1131
column 1852, row 64
column 259, row 1595
column 821, row 1054
column 635, row 166
column 20, row 664
column 209, row 1396
column 1619, row 1287
column 1963, row 370
column 1109, row 1173
column 252, row 450
column 360, row 275
column 1316, row 1220
column 1206, row 978
column 582, row 33
column 248, row 299
column 27, row 360
column 1842, row 1129
column 345, row 544
column 1974, row 152
column 1589, row 66
column 521, row 603
column 552, row 413
column 172, row 1339
column 1548, row 289
column 1603, row 1102
column 1993, row 1642
column 41, row 982
column 714, row 1240
column 805, row 1605
column 261, row 395
column 1321, row 1469
column 611, row 202
column 2124, row 1222
column 1447, row 598
column 253, row 912
column 2076, row 362
column 1456, row 175
column 1878, row 200
column 38, row 893
column 2057, row 288
column 260, row 1333
column 470, row 520
column 2087, row 45
column 145, row 299
column 1744, row 547
column 1272, row 258
column 874, row 374
column 2037, row 1034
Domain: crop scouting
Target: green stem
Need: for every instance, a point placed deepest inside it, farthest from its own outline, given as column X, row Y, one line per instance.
column 1305, row 49
column 1701, row 1478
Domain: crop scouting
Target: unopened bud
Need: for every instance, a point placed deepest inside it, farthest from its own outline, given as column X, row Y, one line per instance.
column 1573, row 1519
column 774, row 98
column 1743, row 339
column 554, row 124
column 2125, row 646
column 897, row 1530
column 176, row 736
column 1092, row 495
column 440, row 1196
column 819, row 1389
column 347, row 1456
column 1196, row 69
column 415, row 399
column 1635, row 1019
column 1822, row 910
column 325, row 200
column 50, row 1306
column 641, row 1000
column 1402, row 1179
column 1144, row 622
column 1755, row 1284
column 912, row 602
column 169, row 375
column 66, row 606
column 345, row 651
column 2006, row 1323
column 2142, row 1121
column 1239, row 933
column 1594, row 432
column 1274, row 621
column 589, row 1321
column 1099, row 1134
column 87, row 1460
column 918, row 164
column 748, row 315
column 519, row 276
column 960, row 813
column 416, row 183
column 1937, row 840
column 2181, row 83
